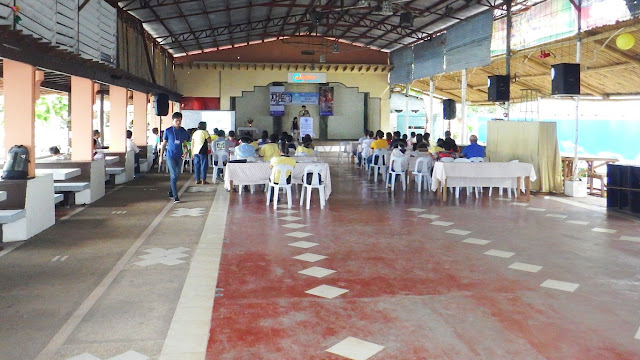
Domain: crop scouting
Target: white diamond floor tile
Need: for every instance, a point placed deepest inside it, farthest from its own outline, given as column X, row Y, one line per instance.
column 442, row 223
column 294, row 226
column 458, row 232
column 327, row 291
column 163, row 256
column 195, row 189
column 303, row 244
column 525, row 267
column 284, row 206
column 416, row 209
column 129, row 355
column 286, row 211
column 180, row 212
column 290, row 218
column 476, row 241
column 557, row 216
column 429, row 216
column 637, row 334
column 630, row 238
column 499, row 253
column 603, row 230
column 310, row 257
column 355, row 349
column 503, row 199
column 577, row 222
column 560, row 285
column 316, row 271
column 299, row 234
column 520, row 204
column 536, row 209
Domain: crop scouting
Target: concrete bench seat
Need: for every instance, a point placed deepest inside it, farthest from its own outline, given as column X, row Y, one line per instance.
column 70, row 187
column 57, row 198
column 9, row 216
column 115, row 170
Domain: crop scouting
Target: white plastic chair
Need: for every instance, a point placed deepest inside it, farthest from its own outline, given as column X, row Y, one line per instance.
column 344, row 150
column 476, row 159
column 275, row 184
column 314, row 171
column 377, row 164
column 365, row 152
column 397, row 166
column 447, row 159
column 220, row 158
column 422, row 173
column 513, row 187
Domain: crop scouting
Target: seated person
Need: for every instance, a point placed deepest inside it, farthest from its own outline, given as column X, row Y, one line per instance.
column 214, row 134
column 131, row 146
column 305, row 149
column 280, row 159
column 55, row 153
column 366, row 147
column 448, row 151
column 271, row 149
column 438, row 147
column 264, row 139
column 380, row 143
column 245, row 150
column 473, row 149
column 232, row 138
column 419, row 143
column 291, row 145
column 309, row 139
column 96, row 154
column 221, row 143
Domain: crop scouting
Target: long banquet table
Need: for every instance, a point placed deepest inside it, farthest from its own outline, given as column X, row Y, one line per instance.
column 484, row 174
column 257, row 173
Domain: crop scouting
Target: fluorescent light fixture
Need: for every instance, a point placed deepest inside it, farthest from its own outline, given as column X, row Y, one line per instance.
column 624, row 97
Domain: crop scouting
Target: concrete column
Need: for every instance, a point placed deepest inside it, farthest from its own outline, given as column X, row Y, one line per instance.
column 118, row 118
column 19, row 107
column 140, row 103
column 82, row 99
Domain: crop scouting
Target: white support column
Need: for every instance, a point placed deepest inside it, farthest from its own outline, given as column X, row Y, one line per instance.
column 463, row 108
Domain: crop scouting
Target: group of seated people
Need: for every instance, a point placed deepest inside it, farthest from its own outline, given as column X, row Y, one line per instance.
column 399, row 144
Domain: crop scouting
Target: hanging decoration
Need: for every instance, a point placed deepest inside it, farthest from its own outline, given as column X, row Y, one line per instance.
column 16, row 17
column 625, row 41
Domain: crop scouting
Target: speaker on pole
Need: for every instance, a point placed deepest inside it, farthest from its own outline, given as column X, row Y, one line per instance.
column 498, row 88
column 161, row 104
column 565, row 79
column 448, row 109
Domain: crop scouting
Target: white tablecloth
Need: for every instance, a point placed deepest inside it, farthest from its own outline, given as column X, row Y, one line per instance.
column 497, row 174
column 259, row 172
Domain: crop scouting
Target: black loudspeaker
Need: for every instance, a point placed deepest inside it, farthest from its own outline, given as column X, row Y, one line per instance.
column 406, row 19
column 498, row 88
column 161, row 104
column 448, row 109
column 565, row 79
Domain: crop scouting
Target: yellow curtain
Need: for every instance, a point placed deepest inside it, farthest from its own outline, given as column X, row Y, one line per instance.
column 531, row 142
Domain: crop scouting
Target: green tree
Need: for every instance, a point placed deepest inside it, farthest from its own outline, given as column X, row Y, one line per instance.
column 52, row 106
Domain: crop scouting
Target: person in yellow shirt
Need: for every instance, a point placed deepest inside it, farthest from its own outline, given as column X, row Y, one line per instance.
column 214, row 135
column 305, row 148
column 271, row 149
column 281, row 159
column 438, row 147
column 379, row 143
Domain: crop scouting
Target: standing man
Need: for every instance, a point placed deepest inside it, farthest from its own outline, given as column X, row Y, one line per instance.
column 304, row 112
column 200, row 148
column 174, row 141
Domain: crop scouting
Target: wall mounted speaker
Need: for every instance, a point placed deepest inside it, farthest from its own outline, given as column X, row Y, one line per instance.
column 565, row 79
column 161, row 104
column 448, row 109
column 499, row 88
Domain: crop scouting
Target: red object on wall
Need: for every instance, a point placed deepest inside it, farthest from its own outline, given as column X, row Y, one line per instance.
column 200, row 103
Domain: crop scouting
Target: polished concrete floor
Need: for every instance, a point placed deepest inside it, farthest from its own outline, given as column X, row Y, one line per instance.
column 375, row 275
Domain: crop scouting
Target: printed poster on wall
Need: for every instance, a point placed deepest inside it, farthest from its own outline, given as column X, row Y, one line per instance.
column 326, row 100
column 306, row 126
column 277, row 100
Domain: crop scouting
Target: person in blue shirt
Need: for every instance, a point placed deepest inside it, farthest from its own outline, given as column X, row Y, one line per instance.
column 473, row 149
column 174, row 141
